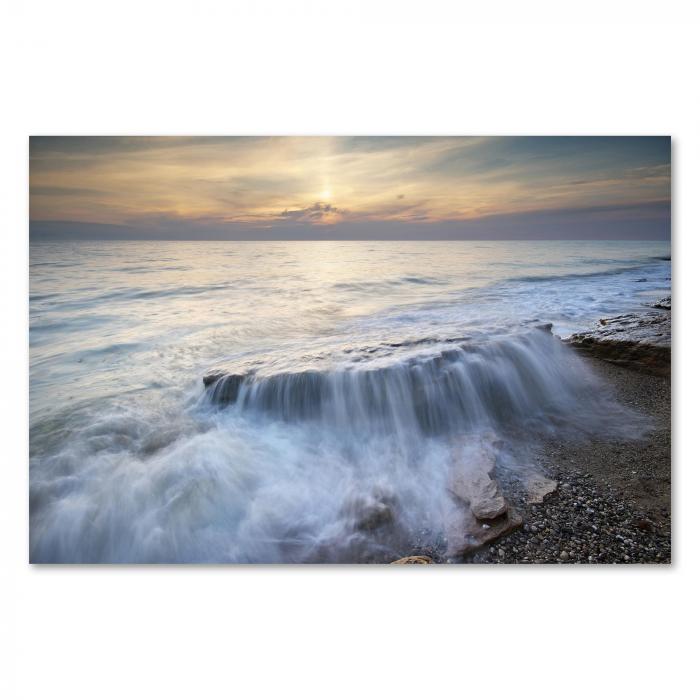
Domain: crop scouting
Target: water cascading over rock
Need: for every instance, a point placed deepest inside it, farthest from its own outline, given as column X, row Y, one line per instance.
column 464, row 396
column 530, row 379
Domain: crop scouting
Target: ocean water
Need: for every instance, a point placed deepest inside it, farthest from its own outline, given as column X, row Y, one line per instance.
column 341, row 375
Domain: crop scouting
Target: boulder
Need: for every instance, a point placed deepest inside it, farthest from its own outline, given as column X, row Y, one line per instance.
column 368, row 512
column 473, row 461
column 374, row 516
column 480, row 513
column 481, row 493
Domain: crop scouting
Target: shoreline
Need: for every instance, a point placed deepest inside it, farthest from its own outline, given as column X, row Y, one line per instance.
column 613, row 502
column 588, row 499
column 609, row 502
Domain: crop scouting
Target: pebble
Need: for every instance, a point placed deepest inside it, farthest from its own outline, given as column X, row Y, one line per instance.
column 590, row 524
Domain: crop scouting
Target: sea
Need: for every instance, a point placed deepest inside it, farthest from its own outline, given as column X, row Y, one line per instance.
column 339, row 377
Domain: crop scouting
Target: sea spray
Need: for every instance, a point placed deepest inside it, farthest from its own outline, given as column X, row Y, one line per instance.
column 359, row 365
column 529, row 380
column 344, row 465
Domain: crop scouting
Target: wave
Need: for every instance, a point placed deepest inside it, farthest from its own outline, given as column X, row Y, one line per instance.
column 416, row 279
column 364, row 285
column 137, row 293
column 531, row 379
column 344, row 465
column 580, row 275
column 149, row 269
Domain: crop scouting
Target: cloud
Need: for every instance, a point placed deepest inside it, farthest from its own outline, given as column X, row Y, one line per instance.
column 318, row 212
column 274, row 181
column 632, row 221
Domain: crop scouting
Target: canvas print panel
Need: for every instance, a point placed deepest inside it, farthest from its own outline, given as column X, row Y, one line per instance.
column 350, row 350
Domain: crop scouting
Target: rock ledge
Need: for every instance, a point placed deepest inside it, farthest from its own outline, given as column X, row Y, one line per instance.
column 639, row 340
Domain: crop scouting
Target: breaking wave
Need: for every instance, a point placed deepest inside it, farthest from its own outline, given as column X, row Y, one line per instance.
column 530, row 380
column 341, row 465
column 358, row 378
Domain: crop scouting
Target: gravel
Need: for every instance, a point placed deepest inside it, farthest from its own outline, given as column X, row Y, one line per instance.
column 613, row 504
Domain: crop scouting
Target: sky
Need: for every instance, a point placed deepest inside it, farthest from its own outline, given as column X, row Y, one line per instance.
column 338, row 187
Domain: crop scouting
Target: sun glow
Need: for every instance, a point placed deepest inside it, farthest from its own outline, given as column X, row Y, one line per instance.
column 250, row 182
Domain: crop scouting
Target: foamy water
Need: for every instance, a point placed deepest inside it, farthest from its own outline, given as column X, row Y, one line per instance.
column 347, row 370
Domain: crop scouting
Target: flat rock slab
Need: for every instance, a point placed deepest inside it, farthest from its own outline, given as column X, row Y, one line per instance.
column 480, row 513
column 640, row 340
column 481, row 493
column 465, row 533
column 473, row 463
column 537, row 486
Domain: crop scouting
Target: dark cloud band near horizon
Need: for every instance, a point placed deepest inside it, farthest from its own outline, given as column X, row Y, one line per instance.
column 344, row 188
column 650, row 221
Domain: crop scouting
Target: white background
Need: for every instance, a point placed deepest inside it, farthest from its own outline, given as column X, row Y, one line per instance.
column 347, row 68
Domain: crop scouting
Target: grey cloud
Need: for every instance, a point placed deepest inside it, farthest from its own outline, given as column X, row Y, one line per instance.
column 634, row 221
column 316, row 212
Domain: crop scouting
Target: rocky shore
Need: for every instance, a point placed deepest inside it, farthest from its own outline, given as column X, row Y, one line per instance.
column 611, row 502
column 639, row 341
column 592, row 500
